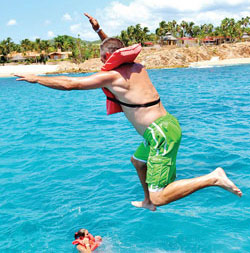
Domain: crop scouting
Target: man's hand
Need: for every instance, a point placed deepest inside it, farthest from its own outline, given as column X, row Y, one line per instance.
column 93, row 22
column 96, row 27
column 27, row 78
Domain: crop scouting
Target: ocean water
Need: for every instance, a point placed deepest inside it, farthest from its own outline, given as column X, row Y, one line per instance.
column 65, row 165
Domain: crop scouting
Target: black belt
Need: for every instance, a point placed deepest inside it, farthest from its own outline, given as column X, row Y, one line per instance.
column 134, row 105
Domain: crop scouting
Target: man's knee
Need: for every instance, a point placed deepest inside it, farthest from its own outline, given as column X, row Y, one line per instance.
column 156, row 198
column 138, row 164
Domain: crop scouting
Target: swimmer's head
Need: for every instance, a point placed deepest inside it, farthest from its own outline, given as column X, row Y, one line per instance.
column 108, row 47
column 81, row 233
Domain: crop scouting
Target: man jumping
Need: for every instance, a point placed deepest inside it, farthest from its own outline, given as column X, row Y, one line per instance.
column 155, row 158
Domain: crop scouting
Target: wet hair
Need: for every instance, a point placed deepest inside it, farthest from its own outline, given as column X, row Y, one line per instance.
column 80, row 233
column 110, row 45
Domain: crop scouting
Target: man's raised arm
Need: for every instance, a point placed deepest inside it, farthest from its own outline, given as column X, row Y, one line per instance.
column 96, row 27
column 102, row 79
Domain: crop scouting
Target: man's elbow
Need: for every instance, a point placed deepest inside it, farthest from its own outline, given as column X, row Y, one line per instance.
column 68, row 88
column 69, row 85
column 73, row 84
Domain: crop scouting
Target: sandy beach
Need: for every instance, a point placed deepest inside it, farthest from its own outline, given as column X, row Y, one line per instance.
column 216, row 62
column 10, row 70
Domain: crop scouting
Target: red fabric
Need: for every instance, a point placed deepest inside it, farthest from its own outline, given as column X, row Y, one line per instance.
column 120, row 56
column 77, row 241
column 93, row 244
column 111, row 106
column 91, row 237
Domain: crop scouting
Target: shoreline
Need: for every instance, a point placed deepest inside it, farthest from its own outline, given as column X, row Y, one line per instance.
column 10, row 70
column 214, row 62
column 38, row 69
column 151, row 57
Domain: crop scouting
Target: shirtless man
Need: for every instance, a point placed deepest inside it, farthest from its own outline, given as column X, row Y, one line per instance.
column 155, row 159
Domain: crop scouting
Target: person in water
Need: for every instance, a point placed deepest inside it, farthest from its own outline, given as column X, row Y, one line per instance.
column 86, row 243
column 155, row 158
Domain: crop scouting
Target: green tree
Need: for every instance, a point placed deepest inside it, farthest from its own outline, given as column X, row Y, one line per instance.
column 189, row 29
column 37, row 45
column 196, row 31
column 26, row 45
column 184, row 26
column 6, row 47
column 135, row 34
column 124, row 37
column 161, row 30
column 45, row 46
column 65, row 42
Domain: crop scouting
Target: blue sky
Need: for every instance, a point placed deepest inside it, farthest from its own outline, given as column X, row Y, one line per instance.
column 20, row 19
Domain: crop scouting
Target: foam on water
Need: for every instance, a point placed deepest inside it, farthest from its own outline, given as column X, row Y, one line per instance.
column 66, row 165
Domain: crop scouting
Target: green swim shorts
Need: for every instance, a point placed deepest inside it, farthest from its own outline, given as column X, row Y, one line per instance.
column 159, row 151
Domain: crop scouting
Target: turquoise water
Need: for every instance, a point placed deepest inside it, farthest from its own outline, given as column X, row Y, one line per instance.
column 66, row 165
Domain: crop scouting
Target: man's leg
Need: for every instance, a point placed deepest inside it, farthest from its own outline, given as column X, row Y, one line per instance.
column 141, row 168
column 182, row 188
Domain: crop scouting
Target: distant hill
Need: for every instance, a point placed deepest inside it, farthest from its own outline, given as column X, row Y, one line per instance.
column 92, row 42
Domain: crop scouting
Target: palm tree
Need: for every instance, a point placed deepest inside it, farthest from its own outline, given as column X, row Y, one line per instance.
column 163, row 24
column 184, row 26
column 37, row 45
column 206, row 30
column 179, row 31
column 174, row 23
column 161, row 30
column 239, row 29
column 134, row 34
column 3, row 53
column 196, row 30
column 190, row 29
column 245, row 21
column 26, row 45
column 145, row 35
column 7, row 46
column 58, row 41
column 45, row 45
column 124, row 37
column 217, row 31
column 138, row 34
column 224, row 27
column 131, row 33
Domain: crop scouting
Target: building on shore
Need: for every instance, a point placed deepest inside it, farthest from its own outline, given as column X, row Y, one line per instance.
column 17, row 58
column 59, row 55
column 245, row 37
column 37, row 57
column 216, row 40
column 169, row 39
column 187, row 41
column 148, row 44
column 22, row 57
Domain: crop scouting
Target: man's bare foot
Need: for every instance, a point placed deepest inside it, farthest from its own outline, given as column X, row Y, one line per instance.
column 144, row 204
column 223, row 181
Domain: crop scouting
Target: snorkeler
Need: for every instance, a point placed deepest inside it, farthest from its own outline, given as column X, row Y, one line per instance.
column 155, row 158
